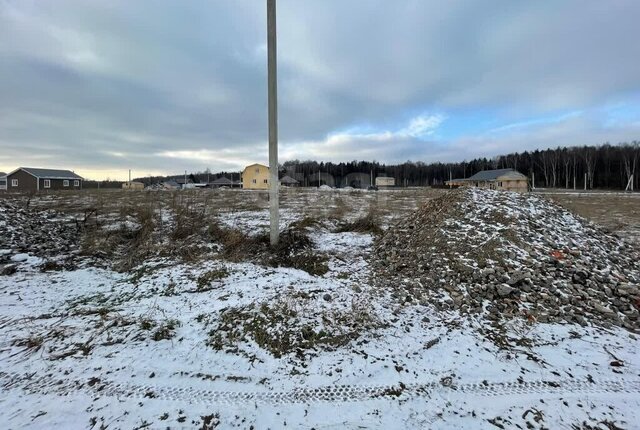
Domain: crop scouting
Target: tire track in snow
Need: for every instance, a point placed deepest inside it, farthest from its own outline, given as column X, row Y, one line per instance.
column 338, row 393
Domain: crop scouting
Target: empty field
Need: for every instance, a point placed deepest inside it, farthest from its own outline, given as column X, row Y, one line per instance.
column 617, row 212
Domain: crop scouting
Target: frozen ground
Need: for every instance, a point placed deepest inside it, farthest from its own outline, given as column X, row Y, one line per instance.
column 618, row 212
column 213, row 343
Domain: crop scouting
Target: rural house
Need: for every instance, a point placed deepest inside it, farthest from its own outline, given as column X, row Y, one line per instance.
column 255, row 177
column 500, row 179
column 288, row 181
column 3, row 181
column 222, row 181
column 25, row 179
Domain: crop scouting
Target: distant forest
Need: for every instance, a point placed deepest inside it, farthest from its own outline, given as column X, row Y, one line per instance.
column 604, row 166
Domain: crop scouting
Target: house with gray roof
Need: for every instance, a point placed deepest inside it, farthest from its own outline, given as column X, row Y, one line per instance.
column 288, row 181
column 499, row 179
column 222, row 181
column 27, row 179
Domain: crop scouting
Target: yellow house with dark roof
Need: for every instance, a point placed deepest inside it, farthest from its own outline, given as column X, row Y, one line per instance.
column 255, row 177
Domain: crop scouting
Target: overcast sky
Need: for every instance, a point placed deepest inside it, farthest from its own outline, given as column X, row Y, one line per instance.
column 162, row 86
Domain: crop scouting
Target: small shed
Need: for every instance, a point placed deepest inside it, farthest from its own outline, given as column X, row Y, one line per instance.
column 455, row 183
column 385, row 181
column 133, row 186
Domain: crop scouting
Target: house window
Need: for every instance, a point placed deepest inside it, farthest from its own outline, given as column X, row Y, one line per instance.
column 255, row 181
column 14, row 182
column 76, row 183
column 47, row 183
column 266, row 181
column 257, row 170
column 65, row 183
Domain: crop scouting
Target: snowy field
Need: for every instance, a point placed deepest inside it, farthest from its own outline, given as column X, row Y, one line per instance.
column 164, row 318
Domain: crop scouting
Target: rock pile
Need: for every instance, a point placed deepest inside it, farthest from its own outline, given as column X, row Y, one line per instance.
column 43, row 234
column 502, row 254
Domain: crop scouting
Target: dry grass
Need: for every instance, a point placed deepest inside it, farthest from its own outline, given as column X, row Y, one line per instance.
column 616, row 212
column 369, row 223
column 122, row 229
column 287, row 326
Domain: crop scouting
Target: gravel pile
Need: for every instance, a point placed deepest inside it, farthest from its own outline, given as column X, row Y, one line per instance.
column 506, row 255
column 28, row 233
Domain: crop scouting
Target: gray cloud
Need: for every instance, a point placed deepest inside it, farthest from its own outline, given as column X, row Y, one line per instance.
column 163, row 86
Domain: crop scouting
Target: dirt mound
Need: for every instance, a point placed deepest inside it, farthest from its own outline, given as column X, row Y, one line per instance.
column 504, row 254
column 27, row 232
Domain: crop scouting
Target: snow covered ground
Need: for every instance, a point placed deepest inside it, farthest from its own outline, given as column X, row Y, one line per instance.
column 218, row 344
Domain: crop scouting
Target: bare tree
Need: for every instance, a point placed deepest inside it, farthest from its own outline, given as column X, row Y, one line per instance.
column 544, row 165
column 588, row 156
column 566, row 161
column 630, row 155
column 553, row 165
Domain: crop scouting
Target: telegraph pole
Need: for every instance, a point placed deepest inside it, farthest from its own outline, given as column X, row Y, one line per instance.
column 272, row 78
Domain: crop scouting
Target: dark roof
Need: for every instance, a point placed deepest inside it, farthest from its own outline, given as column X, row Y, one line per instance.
column 489, row 175
column 49, row 173
column 181, row 181
column 223, row 180
column 3, row 174
column 288, row 180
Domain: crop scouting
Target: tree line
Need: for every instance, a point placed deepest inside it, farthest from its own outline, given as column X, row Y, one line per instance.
column 602, row 166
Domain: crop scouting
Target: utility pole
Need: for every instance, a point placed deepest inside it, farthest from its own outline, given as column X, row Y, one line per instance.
column 272, row 78
column 129, row 177
column 585, row 182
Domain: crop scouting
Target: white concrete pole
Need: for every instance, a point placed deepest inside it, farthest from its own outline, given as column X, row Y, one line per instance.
column 272, row 70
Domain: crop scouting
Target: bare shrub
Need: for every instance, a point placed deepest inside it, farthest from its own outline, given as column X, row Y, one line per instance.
column 369, row 223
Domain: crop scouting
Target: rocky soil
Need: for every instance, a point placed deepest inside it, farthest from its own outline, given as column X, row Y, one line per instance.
column 28, row 236
column 504, row 255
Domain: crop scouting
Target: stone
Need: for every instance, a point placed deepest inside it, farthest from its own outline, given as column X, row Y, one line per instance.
column 505, row 290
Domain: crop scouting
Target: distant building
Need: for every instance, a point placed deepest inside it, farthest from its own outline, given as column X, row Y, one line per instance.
column 3, row 181
column 255, row 177
column 288, row 181
column 501, row 179
column 170, row 185
column 25, row 179
column 459, row 182
column 222, row 181
column 133, row 186
column 385, row 181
